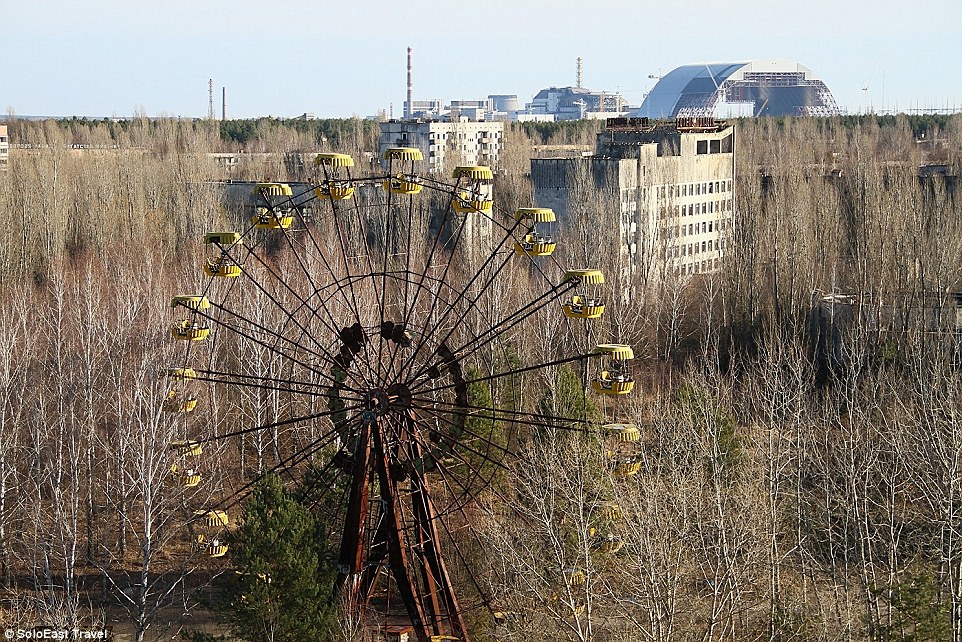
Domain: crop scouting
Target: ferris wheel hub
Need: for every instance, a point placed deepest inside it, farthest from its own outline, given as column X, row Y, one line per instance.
column 381, row 401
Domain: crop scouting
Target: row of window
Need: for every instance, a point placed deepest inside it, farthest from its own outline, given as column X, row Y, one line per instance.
column 717, row 146
column 707, row 207
column 705, row 227
column 699, row 267
column 693, row 189
column 691, row 249
column 466, row 148
column 462, row 136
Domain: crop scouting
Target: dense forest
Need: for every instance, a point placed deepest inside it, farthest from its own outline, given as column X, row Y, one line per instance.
column 799, row 470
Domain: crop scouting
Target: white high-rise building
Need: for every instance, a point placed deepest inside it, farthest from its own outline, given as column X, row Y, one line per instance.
column 446, row 144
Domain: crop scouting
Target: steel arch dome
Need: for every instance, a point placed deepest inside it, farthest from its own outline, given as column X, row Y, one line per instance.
column 772, row 86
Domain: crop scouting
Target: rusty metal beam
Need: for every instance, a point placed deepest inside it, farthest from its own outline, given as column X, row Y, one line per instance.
column 397, row 547
column 351, row 558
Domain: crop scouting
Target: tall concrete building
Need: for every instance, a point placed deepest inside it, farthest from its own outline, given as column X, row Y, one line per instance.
column 4, row 147
column 446, row 144
column 674, row 185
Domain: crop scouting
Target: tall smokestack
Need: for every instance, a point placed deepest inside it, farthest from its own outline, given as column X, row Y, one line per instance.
column 580, row 75
column 223, row 103
column 408, row 105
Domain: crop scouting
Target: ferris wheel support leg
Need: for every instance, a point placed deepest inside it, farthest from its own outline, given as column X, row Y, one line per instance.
column 351, row 559
column 375, row 562
column 397, row 553
column 435, row 570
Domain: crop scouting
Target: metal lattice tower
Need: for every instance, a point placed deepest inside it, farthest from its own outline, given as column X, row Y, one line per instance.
column 210, row 99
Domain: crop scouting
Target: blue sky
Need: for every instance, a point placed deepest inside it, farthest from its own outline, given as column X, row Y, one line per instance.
column 347, row 57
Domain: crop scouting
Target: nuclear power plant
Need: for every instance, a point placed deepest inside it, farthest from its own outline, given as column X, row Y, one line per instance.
column 761, row 87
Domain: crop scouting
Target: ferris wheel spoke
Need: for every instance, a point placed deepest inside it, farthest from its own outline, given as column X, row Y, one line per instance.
column 259, row 382
column 292, row 460
column 532, row 419
column 452, row 307
column 513, row 319
column 275, row 347
column 455, row 443
column 507, row 373
column 468, row 492
column 493, row 332
column 337, row 462
column 303, row 303
column 335, row 215
column 428, row 266
column 317, row 292
column 462, row 294
column 442, row 417
column 283, row 422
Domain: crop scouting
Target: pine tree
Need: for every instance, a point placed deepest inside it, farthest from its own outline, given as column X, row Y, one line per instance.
column 568, row 398
column 284, row 580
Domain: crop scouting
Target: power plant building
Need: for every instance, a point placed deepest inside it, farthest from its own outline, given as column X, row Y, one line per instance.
column 670, row 183
column 764, row 87
column 575, row 103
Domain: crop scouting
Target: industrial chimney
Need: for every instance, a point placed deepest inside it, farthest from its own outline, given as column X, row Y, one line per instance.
column 408, row 106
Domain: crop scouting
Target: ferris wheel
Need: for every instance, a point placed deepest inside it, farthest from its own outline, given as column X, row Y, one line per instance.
column 364, row 335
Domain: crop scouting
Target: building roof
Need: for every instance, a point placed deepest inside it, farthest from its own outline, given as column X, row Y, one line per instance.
column 776, row 87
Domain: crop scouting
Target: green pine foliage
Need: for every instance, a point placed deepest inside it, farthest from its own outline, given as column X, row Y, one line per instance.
column 284, row 577
column 567, row 396
column 483, row 433
column 917, row 613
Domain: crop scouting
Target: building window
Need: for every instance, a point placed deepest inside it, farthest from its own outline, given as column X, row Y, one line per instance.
column 716, row 146
column 709, row 226
column 701, row 147
column 709, row 246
